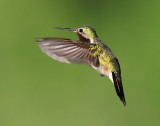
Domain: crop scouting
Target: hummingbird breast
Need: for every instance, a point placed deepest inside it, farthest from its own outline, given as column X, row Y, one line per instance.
column 105, row 66
column 105, row 59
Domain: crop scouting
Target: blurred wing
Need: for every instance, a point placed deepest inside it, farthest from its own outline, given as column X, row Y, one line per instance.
column 69, row 51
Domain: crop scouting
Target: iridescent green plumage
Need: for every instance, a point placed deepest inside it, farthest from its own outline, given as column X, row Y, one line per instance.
column 89, row 49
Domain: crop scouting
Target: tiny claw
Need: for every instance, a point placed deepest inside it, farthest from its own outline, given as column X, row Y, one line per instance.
column 102, row 75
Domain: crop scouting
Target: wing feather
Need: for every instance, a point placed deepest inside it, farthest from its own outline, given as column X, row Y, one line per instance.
column 68, row 51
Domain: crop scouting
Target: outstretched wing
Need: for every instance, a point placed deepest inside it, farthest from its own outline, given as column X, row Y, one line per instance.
column 69, row 51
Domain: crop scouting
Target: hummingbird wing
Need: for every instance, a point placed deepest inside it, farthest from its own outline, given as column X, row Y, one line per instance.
column 69, row 51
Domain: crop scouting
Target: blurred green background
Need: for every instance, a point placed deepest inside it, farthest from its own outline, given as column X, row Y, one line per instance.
column 38, row 91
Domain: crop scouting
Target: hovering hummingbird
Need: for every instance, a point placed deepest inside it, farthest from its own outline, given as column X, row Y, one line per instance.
column 90, row 50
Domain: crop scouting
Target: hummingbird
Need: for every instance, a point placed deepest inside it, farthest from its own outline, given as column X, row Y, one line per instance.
column 89, row 50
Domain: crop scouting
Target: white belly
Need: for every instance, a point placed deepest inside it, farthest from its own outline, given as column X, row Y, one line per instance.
column 104, row 71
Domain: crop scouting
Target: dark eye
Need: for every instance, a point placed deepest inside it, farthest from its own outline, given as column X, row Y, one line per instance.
column 80, row 30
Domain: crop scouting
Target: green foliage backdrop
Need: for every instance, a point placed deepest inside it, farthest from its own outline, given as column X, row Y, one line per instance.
column 38, row 91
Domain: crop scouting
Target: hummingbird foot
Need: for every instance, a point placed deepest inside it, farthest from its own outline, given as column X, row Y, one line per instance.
column 102, row 75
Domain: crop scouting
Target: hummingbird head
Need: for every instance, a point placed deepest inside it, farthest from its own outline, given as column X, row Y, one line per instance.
column 85, row 33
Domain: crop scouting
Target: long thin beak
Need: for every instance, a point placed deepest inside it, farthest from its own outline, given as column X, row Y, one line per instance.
column 64, row 28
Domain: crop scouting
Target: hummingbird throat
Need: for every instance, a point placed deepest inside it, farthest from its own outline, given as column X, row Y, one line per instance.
column 83, row 39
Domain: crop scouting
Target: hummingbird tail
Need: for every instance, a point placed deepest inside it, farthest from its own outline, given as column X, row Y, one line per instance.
column 118, row 86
